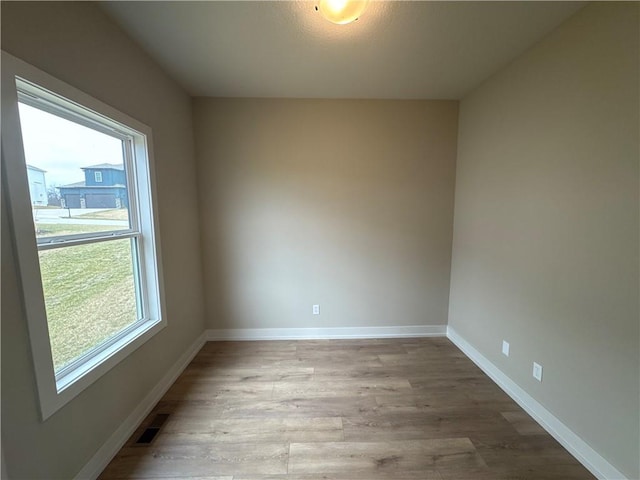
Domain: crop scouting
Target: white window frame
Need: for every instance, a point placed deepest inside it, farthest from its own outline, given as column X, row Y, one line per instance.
column 56, row 391
column 97, row 176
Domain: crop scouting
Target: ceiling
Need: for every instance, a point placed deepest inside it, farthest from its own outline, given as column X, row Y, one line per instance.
column 410, row 49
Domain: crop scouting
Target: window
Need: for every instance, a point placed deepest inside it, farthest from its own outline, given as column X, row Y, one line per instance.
column 87, row 256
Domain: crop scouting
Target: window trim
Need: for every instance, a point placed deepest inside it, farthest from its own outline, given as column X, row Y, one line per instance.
column 97, row 175
column 53, row 395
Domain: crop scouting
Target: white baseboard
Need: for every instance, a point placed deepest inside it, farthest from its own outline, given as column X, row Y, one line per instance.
column 112, row 446
column 326, row 333
column 586, row 455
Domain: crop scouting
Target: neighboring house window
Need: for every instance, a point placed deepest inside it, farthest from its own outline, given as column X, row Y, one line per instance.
column 92, row 282
column 98, row 177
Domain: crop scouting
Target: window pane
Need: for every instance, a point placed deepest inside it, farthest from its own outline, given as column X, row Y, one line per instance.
column 77, row 179
column 90, row 295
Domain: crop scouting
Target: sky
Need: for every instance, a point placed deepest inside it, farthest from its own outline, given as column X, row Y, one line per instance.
column 61, row 147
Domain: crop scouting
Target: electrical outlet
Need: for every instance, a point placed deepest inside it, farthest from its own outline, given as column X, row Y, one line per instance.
column 505, row 348
column 537, row 371
column 316, row 309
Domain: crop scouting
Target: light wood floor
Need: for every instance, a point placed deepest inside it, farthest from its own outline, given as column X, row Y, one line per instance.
column 341, row 410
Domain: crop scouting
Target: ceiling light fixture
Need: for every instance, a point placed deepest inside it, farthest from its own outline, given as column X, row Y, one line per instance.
column 341, row 12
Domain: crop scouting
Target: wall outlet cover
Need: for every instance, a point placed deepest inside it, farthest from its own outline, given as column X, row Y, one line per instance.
column 316, row 309
column 537, row 371
column 505, row 348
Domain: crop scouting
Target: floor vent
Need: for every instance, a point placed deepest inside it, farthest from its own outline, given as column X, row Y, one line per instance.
column 152, row 430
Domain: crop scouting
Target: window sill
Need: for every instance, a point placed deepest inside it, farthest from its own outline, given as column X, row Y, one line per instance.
column 77, row 380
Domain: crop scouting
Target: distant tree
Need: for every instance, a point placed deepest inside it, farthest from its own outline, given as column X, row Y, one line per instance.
column 53, row 195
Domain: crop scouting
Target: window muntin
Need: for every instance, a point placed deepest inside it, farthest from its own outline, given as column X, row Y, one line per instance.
column 26, row 84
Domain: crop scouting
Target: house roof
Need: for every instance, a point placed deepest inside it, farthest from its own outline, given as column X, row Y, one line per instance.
column 74, row 185
column 31, row 167
column 91, row 187
column 104, row 166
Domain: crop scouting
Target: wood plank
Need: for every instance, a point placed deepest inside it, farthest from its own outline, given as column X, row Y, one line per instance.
column 301, row 407
column 186, row 390
column 194, row 430
column 427, row 474
column 426, row 425
column 247, row 374
column 254, row 349
column 199, row 460
column 375, row 457
column 351, row 388
column 523, row 423
column 523, row 451
column 550, row 472
column 356, row 347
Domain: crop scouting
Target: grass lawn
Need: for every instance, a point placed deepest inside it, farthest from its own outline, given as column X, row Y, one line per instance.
column 54, row 229
column 115, row 214
column 89, row 294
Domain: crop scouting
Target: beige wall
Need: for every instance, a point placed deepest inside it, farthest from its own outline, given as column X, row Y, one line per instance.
column 346, row 204
column 545, row 250
column 78, row 44
column 349, row 204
